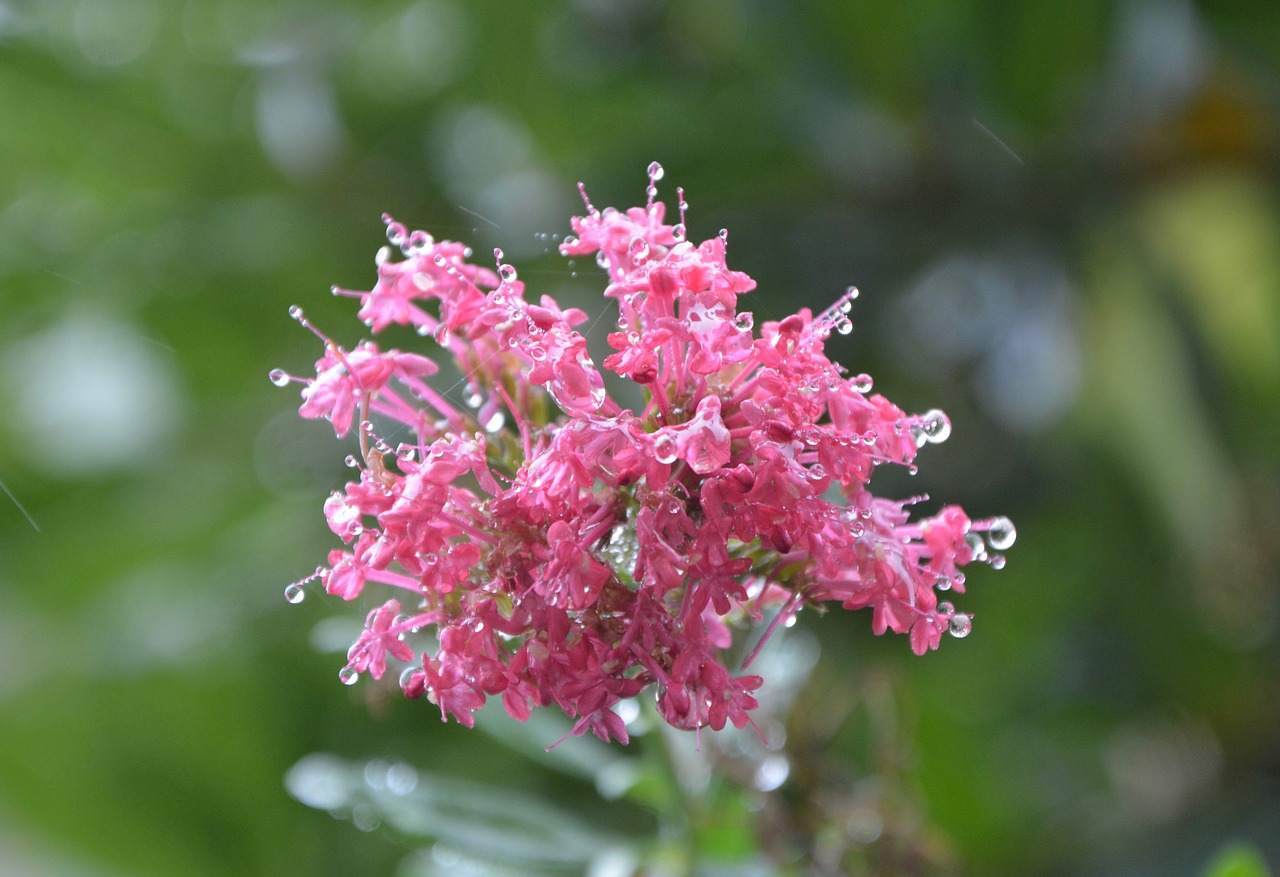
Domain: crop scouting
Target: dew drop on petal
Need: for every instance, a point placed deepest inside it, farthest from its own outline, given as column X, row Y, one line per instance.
column 861, row 383
column 1001, row 534
column 664, row 448
column 960, row 625
column 945, row 609
column 744, row 321
column 348, row 676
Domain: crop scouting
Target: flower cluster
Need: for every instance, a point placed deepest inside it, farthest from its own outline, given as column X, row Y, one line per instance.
column 568, row 550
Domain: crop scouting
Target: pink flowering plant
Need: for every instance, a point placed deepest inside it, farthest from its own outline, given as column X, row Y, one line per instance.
column 569, row 550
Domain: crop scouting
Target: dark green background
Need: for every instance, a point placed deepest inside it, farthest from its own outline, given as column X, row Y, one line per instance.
column 1065, row 221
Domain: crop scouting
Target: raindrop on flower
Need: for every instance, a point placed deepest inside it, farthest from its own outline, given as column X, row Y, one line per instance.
column 851, row 292
column 744, row 321
column 945, row 609
column 279, row 377
column 861, row 383
column 664, row 448
column 351, row 462
column 407, row 674
column 844, row 326
column 295, row 593
column 936, row 426
column 976, row 545
column 507, row 272
column 396, row 232
column 1001, row 534
column 442, row 335
column 419, row 242
column 679, row 232
column 348, row 676
column 960, row 625
column 655, row 172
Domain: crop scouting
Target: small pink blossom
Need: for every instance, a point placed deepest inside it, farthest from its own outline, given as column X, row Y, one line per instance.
column 570, row 551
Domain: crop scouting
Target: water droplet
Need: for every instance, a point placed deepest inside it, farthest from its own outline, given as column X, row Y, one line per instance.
column 1002, row 534
column 745, row 321
column 498, row 254
column 507, row 272
column 419, row 242
column 943, row 583
column 861, row 383
column 656, row 172
column 935, row 426
column 295, row 593
column 296, row 312
column 279, row 377
column 960, row 625
column 396, row 233
column 442, row 335
column 851, row 293
column 679, row 232
column 348, row 676
column 997, row 561
column 817, row 472
column 473, row 397
column 724, row 235
column 976, row 545
column 537, row 353
column 401, row 779
column 351, row 462
column 664, row 448
column 570, row 240
column 844, row 326
column 495, row 422
column 406, row 674
column 602, row 259
column 946, row 610
column 845, row 305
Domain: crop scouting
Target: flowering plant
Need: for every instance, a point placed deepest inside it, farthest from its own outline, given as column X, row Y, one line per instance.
column 569, row 550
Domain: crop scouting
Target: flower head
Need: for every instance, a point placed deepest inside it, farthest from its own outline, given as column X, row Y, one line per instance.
column 568, row 550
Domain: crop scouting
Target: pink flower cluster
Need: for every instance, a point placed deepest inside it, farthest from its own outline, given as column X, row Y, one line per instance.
column 566, row 549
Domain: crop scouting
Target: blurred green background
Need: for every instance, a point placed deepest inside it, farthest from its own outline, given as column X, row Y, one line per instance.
column 1065, row 221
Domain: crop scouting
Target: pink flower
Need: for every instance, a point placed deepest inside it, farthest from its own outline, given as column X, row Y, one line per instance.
column 570, row 551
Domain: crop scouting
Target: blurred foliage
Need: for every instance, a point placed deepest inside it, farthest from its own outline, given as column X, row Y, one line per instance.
column 1065, row 221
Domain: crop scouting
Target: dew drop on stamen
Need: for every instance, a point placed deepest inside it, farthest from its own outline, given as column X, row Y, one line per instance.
column 935, row 426
column 348, row 676
column 844, row 326
column 295, row 312
column 976, row 546
column 851, row 292
column 656, row 172
column 295, row 593
column 351, row 462
column 1001, row 534
column 679, row 232
column 279, row 377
